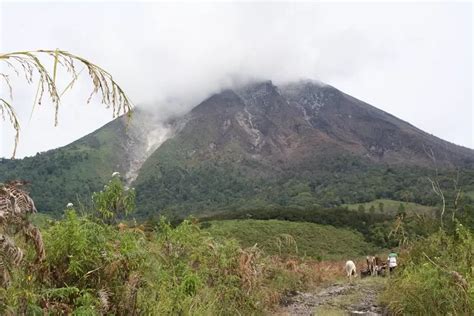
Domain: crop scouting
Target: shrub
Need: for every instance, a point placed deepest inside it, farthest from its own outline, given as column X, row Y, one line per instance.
column 436, row 277
column 93, row 268
column 89, row 267
column 197, row 275
column 115, row 200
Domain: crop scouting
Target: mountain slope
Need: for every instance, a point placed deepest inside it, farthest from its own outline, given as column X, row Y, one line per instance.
column 257, row 146
column 302, row 144
column 73, row 172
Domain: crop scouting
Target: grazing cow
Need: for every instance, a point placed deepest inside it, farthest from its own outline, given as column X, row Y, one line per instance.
column 351, row 270
column 371, row 265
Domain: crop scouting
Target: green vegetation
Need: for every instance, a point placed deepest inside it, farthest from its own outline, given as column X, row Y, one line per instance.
column 436, row 273
column 376, row 228
column 94, row 268
column 436, row 276
column 285, row 238
column 71, row 173
column 115, row 200
column 172, row 183
column 392, row 207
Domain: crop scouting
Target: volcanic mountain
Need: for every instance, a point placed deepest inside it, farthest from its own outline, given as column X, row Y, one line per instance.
column 259, row 145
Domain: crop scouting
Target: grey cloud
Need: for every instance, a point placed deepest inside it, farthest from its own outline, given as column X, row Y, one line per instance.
column 170, row 56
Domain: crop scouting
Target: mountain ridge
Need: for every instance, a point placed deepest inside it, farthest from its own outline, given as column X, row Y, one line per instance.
column 254, row 145
column 254, row 136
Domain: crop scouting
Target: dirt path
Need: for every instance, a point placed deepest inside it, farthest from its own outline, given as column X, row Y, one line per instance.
column 341, row 298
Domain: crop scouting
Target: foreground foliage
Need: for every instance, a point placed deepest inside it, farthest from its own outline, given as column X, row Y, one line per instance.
column 92, row 268
column 437, row 276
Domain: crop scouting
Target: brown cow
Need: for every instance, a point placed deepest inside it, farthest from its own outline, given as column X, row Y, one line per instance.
column 371, row 265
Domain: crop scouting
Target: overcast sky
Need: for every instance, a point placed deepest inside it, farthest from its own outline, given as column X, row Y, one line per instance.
column 411, row 60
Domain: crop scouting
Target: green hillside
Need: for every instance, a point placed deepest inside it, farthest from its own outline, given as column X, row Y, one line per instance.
column 392, row 207
column 183, row 177
column 294, row 238
column 70, row 173
column 303, row 146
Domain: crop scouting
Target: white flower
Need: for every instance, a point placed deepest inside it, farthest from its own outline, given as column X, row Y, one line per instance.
column 69, row 205
column 116, row 174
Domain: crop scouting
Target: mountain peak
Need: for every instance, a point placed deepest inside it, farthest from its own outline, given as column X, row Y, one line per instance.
column 300, row 141
column 270, row 119
column 255, row 92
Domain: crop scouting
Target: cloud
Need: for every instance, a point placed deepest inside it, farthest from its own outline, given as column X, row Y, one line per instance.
column 412, row 60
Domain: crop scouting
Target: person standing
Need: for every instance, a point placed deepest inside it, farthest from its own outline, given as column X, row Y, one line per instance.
column 392, row 260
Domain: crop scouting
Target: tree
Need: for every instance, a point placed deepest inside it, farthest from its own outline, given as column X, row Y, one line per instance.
column 381, row 207
column 31, row 64
column 401, row 208
column 436, row 184
column 115, row 200
column 372, row 209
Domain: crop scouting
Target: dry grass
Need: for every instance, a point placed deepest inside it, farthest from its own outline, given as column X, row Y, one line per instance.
column 15, row 205
column 250, row 268
column 30, row 64
column 33, row 234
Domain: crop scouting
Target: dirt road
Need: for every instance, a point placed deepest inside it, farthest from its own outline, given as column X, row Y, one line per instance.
column 359, row 298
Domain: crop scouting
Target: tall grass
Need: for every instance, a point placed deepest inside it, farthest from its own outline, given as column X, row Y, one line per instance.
column 436, row 277
column 93, row 268
column 31, row 64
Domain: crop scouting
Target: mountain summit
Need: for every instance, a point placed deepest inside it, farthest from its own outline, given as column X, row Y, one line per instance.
column 297, row 119
column 302, row 143
column 299, row 144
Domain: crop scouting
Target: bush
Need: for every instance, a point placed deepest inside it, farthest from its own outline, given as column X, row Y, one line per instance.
column 115, row 200
column 436, row 277
column 194, row 274
column 88, row 267
column 93, row 268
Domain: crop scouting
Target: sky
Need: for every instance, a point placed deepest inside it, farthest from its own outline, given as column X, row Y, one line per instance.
column 413, row 60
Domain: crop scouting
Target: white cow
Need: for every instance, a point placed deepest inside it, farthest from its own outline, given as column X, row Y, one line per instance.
column 351, row 270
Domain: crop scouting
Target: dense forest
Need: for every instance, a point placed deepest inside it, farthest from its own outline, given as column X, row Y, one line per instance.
column 73, row 173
